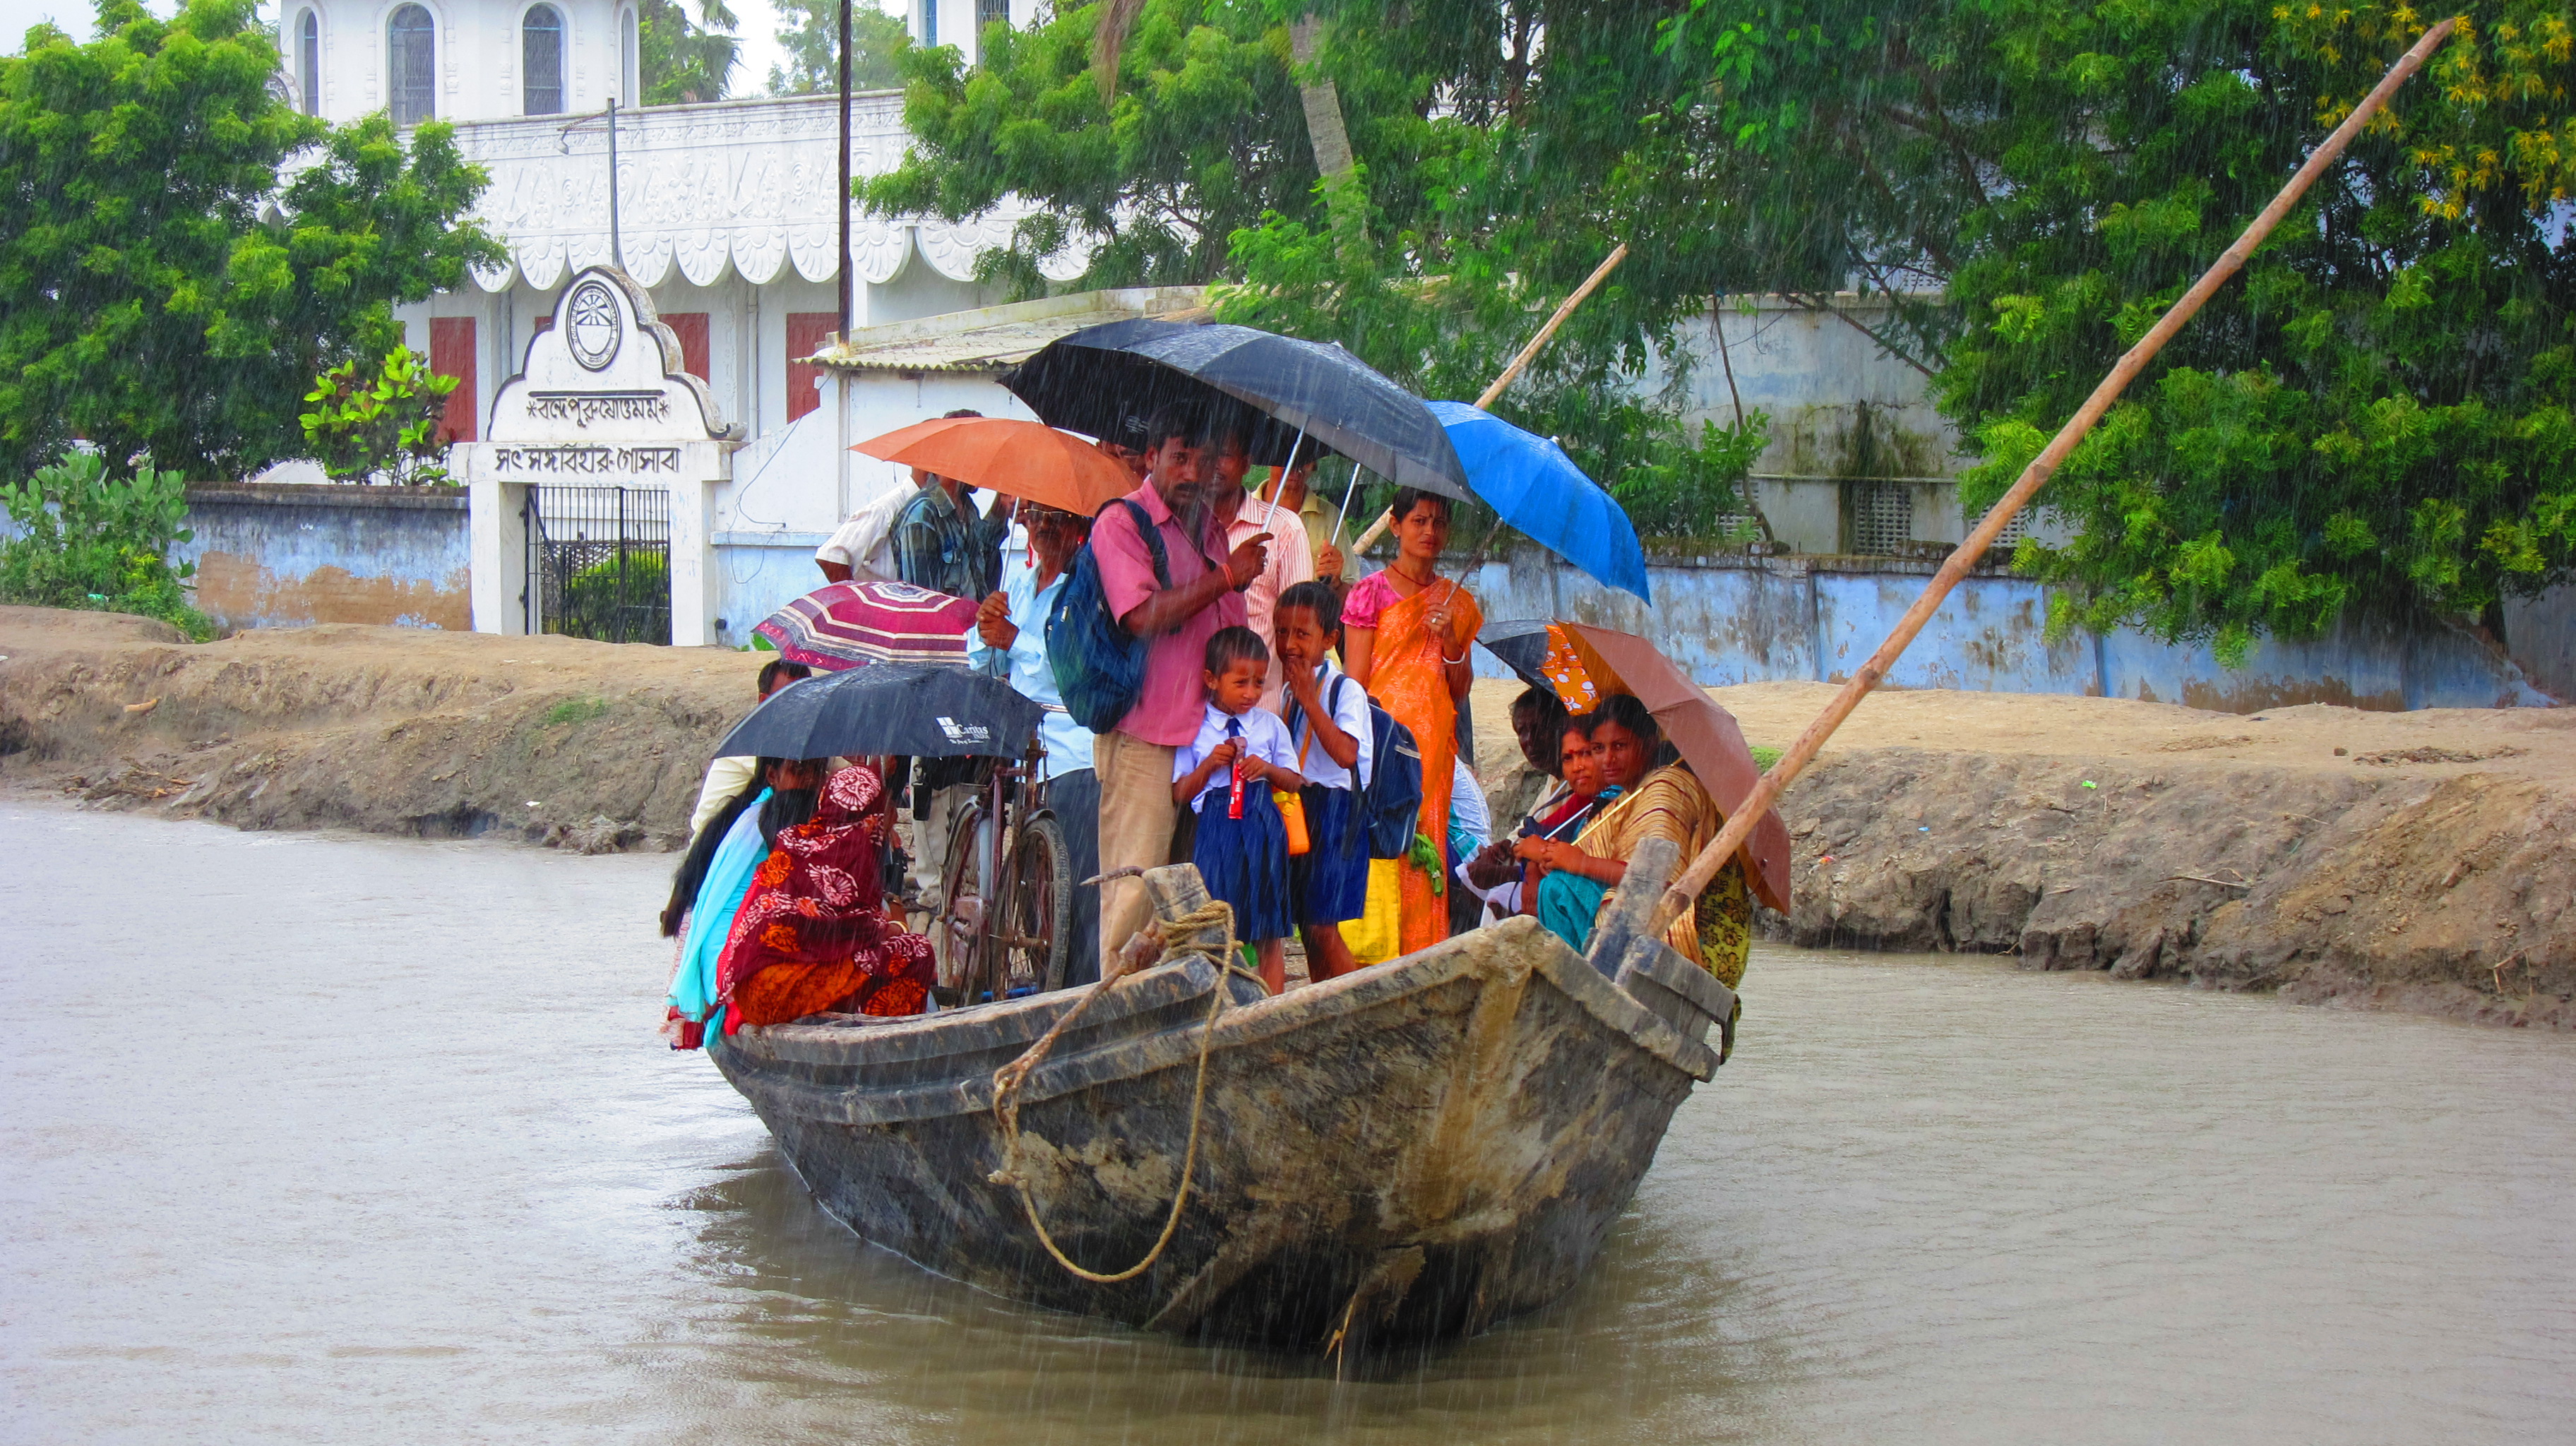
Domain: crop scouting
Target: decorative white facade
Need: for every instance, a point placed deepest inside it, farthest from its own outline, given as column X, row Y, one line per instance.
column 727, row 215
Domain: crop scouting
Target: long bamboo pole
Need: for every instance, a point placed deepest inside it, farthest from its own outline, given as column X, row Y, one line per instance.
column 1704, row 868
column 1512, row 373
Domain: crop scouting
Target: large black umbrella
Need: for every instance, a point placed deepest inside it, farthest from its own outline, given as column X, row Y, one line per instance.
column 925, row 710
column 1104, row 379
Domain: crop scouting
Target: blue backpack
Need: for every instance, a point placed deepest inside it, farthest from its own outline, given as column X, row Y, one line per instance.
column 1099, row 666
column 1391, row 806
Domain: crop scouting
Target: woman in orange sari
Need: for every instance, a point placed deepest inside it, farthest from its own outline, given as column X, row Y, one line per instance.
column 813, row 933
column 1405, row 635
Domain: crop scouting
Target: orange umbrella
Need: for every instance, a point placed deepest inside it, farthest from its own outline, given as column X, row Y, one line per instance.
column 1582, row 663
column 1028, row 460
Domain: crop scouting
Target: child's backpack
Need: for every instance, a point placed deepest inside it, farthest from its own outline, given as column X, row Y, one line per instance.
column 1099, row 666
column 1390, row 808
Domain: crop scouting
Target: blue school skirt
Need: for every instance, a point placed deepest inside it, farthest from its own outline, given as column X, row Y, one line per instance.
column 1244, row 861
column 1330, row 879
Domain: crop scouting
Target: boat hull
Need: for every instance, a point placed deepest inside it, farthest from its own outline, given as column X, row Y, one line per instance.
column 1408, row 1153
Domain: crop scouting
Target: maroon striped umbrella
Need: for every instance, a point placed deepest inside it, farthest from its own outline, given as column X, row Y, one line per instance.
column 852, row 624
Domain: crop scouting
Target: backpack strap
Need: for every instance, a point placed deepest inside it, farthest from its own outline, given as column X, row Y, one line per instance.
column 1152, row 537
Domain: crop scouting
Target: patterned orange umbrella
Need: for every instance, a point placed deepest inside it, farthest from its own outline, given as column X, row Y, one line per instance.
column 1584, row 664
column 1028, row 460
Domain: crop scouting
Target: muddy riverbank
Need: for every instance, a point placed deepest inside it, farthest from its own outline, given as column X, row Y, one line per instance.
column 2418, row 861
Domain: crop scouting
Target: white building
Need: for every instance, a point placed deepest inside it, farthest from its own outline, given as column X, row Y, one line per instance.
column 725, row 214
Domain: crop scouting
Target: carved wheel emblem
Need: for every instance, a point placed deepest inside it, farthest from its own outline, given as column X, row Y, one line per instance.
column 592, row 328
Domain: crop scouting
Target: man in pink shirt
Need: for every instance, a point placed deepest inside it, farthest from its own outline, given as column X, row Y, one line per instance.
column 1134, row 760
column 1246, row 518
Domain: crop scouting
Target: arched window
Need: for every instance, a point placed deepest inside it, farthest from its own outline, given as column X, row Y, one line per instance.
column 541, row 60
column 630, row 67
column 412, row 56
column 308, row 61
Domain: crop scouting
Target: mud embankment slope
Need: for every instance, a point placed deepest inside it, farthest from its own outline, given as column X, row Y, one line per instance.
column 387, row 730
column 2430, row 866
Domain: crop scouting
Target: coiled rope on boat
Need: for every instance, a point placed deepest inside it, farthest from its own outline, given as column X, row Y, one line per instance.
column 1178, row 942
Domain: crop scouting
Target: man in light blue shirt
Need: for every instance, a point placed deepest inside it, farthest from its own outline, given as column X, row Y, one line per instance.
column 1010, row 643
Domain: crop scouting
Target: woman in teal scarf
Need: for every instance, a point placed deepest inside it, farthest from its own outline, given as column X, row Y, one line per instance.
column 713, row 877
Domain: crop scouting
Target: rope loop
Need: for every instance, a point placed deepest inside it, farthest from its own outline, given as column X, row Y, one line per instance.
column 1179, row 939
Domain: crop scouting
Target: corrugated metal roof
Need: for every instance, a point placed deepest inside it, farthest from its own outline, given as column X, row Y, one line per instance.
column 995, row 338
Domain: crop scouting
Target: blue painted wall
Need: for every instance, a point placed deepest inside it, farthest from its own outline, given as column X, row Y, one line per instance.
column 1736, row 619
column 271, row 556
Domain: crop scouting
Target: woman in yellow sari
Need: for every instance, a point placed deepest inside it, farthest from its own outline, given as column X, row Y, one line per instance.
column 1405, row 635
column 1655, row 802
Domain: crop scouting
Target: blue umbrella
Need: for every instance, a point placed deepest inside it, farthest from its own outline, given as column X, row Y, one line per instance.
column 1538, row 489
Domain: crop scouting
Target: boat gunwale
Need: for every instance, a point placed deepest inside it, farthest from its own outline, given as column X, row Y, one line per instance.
column 1103, row 1061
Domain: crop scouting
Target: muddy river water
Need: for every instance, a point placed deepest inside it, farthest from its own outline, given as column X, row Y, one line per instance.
column 343, row 1139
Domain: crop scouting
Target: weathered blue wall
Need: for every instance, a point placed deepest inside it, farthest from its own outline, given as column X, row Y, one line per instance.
column 272, row 556
column 1737, row 619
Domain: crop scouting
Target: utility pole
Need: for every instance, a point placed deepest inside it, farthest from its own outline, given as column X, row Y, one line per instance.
column 849, row 293
column 616, row 236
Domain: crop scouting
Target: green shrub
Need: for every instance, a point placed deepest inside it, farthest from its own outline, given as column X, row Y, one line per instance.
column 89, row 540
column 380, row 420
column 618, row 599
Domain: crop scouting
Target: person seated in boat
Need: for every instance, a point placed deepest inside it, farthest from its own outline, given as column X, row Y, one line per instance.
column 730, row 775
column 1503, row 868
column 1328, row 719
column 1665, row 801
column 708, row 887
column 1225, row 775
column 813, row 933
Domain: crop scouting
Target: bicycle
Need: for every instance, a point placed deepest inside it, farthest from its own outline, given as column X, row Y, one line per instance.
column 1019, row 947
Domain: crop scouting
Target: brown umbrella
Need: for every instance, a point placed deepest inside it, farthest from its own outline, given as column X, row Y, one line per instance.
column 1028, row 460
column 1583, row 663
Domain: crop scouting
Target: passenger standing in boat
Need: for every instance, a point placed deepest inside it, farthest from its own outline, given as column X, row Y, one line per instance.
column 1010, row 639
column 1226, row 776
column 1134, row 759
column 1289, row 489
column 813, row 934
column 708, row 887
column 1407, row 633
column 1244, row 519
column 1328, row 718
column 730, row 775
column 1665, row 801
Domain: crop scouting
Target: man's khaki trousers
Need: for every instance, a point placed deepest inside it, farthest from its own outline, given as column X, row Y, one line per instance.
column 1136, row 818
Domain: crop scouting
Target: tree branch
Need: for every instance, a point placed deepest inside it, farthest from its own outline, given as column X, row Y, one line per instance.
column 1803, row 300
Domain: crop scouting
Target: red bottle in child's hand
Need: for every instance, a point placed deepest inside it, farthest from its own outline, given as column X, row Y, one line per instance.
column 1234, row 801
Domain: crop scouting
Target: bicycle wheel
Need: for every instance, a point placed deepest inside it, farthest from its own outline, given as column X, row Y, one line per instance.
column 1034, row 941
column 957, row 934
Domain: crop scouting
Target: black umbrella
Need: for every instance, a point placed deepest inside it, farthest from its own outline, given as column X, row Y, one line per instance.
column 1521, row 645
column 1103, row 380
column 925, row 710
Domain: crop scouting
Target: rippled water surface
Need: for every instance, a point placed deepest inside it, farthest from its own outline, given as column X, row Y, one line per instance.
column 340, row 1139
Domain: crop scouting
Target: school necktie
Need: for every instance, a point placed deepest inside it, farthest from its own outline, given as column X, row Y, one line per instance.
column 1234, row 803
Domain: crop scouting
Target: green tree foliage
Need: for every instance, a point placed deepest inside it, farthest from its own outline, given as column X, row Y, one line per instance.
column 184, row 252
column 810, row 30
column 1496, row 171
column 87, row 539
column 683, row 60
column 380, row 419
column 2376, row 413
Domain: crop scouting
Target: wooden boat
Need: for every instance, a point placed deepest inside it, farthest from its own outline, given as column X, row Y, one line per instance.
column 1408, row 1153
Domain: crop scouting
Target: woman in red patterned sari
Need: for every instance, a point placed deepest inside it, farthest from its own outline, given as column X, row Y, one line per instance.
column 813, row 933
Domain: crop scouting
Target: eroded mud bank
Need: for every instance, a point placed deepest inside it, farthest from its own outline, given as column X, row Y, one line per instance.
column 2428, row 865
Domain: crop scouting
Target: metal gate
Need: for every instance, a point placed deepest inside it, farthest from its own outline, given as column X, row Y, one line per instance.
column 599, row 563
